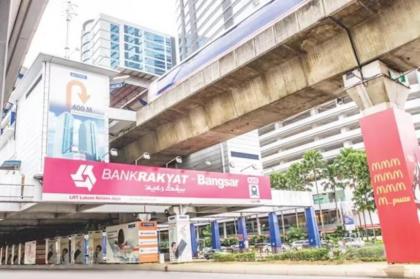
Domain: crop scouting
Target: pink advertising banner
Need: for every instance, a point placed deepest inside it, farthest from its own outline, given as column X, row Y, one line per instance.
column 96, row 182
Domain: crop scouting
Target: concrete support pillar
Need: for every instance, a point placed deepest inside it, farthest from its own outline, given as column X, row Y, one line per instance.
column 194, row 242
column 242, row 233
column 224, row 230
column 393, row 156
column 258, row 225
column 273, row 224
column 312, row 227
column 283, row 227
column 215, row 236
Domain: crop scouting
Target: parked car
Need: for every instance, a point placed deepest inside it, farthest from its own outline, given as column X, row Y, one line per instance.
column 207, row 253
column 235, row 248
column 263, row 247
column 351, row 242
column 266, row 247
column 300, row 244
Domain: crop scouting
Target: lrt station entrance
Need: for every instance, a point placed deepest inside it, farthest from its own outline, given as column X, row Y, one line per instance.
column 86, row 212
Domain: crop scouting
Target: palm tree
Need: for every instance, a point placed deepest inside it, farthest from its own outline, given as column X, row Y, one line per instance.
column 332, row 182
column 313, row 166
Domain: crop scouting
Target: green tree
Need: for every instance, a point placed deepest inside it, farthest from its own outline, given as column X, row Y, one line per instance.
column 313, row 168
column 296, row 178
column 279, row 180
column 353, row 167
column 332, row 183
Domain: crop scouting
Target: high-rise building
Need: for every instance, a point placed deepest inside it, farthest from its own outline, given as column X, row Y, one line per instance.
column 327, row 128
column 87, row 139
column 111, row 42
column 64, row 135
column 200, row 21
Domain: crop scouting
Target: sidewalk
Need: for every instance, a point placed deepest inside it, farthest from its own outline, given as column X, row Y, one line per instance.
column 373, row 270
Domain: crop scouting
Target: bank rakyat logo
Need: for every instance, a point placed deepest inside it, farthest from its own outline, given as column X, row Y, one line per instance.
column 84, row 177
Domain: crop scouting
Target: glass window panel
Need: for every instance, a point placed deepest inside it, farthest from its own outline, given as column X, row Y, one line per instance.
column 132, row 64
column 115, row 28
column 131, row 40
column 131, row 30
column 153, row 37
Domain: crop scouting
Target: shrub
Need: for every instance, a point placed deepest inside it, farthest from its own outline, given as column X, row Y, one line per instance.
column 224, row 257
column 320, row 254
column 229, row 241
column 234, row 257
column 295, row 233
column 366, row 254
column 255, row 239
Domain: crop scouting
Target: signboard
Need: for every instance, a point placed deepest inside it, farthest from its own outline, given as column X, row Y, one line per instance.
column 393, row 156
column 63, row 250
column 77, row 125
column 179, row 239
column 15, row 253
column 21, row 252
column 95, row 247
column 348, row 216
column 148, row 242
column 122, row 243
column 51, row 256
column 92, row 182
column 77, row 242
column 30, row 252
column 8, row 255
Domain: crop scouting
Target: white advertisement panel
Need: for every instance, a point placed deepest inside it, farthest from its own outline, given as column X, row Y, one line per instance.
column 52, row 256
column 77, row 124
column 179, row 239
column 8, row 255
column 95, row 247
column 1, row 256
column 77, row 249
column 63, row 252
column 30, row 252
column 15, row 254
column 122, row 243
column 348, row 216
column 21, row 252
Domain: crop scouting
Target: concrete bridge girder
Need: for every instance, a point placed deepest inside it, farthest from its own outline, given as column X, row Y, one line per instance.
column 290, row 67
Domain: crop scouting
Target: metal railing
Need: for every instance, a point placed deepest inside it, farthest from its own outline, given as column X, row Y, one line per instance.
column 10, row 192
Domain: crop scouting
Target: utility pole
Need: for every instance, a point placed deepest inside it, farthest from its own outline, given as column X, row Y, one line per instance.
column 69, row 12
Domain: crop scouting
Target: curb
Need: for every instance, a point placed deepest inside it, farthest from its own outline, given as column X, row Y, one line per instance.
column 356, row 270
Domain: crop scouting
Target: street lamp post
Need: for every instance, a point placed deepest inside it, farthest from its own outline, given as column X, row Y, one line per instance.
column 177, row 159
column 145, row 155
column 113, row 152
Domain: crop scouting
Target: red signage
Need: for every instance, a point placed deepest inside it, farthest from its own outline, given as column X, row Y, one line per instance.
column 393, row 155
column 85, row 181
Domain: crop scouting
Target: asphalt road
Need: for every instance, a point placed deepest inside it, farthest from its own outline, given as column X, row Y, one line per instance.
column 133, row 274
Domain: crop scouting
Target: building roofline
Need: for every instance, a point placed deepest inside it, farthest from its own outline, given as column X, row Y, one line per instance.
column 119, row 20
column 36, row 66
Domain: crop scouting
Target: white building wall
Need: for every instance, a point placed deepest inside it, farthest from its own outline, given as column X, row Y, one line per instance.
column 244, row 154
column 30, row 129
